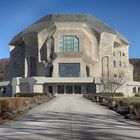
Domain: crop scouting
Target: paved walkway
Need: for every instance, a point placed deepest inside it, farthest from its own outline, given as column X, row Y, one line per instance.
column 70, row 117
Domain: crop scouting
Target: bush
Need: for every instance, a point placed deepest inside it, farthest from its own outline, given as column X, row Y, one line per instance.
column 29, row 94
column 129, row 107
column 12, row 107
column 117, row 94
column 137, row 95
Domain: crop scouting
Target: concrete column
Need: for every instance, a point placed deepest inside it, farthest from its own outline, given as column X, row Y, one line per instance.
column 25, row 68
column 64, row 89
column 82, row 70
column 55, row 70
column 136, row 89
column 72, row 89
column 54, row 89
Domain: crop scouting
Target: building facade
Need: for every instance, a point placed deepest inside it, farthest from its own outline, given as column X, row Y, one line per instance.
column 136, row 68
column 68, row 54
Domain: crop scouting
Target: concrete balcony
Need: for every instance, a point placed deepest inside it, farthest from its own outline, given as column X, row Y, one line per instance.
column 42, row 80
column 55, row 80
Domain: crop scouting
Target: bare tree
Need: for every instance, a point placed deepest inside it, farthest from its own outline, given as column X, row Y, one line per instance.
column 112, row 82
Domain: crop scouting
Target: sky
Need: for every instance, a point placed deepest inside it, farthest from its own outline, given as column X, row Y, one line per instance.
column 122, row 15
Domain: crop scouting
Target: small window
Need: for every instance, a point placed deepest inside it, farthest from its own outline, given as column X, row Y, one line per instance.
column 115, row 75
column 114, row 63
column 87, row 71
column 113, row 53
column 123, row 54
column 120, row 63
column 120, row 53
column 50, row 89
column 116, row 44
column 134, row 89
column 138, row 89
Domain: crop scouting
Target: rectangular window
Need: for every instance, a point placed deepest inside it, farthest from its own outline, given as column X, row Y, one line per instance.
column 69, row 43
column 69, row 69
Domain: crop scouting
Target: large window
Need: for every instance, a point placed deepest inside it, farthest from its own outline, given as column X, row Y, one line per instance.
column 69, row 43
column 69, row 69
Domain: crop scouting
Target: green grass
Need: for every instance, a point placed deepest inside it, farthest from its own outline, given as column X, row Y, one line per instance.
column 129, row 100
column 134, row 99
column 3, row 98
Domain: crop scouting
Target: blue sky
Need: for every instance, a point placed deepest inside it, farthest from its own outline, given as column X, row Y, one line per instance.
column 123, row 15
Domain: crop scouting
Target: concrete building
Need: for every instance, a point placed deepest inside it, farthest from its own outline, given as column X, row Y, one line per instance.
column 68, row 54
column 136, row 68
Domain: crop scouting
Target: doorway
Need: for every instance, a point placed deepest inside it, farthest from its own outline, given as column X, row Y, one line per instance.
column 69, row 89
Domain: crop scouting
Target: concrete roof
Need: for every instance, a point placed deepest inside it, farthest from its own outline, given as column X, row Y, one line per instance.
column 4, row 83
column 49, row 20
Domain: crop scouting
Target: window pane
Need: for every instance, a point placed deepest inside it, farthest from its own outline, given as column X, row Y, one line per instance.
column 69, row 69
column 69, row 43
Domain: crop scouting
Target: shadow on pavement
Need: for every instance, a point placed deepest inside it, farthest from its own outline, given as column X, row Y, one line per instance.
column 69, row 126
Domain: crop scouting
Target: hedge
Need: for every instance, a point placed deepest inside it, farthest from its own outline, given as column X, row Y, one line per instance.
column 30, row 94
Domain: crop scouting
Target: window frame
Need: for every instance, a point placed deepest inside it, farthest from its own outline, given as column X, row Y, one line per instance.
column 69, row 43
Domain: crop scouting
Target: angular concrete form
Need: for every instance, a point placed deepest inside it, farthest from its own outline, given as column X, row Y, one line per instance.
column 68, row 54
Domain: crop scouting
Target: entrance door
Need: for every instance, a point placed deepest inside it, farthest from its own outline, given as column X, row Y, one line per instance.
column 60, row 89
column 77, row 89
column 69, row 89
column 50, row 89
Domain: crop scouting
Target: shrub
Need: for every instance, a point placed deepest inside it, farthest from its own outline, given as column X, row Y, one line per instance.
column 117, row 94
column 29, row 94
column 137, row 95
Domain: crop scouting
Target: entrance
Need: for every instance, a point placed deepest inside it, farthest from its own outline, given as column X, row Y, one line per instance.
column 77, row 89
column 69, row 89
column 60, row 89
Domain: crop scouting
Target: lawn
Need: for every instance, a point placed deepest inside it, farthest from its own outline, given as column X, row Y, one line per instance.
column 129, row 100
column 134, row 99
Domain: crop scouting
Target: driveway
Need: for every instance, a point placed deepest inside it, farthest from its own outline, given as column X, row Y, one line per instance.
column 70, row 117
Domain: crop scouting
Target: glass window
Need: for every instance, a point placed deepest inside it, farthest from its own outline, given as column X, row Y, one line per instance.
column 138, row 89
column 113, row 53
column 77, row 89
column 60, row 89
column 87, row 71
column 69, row 43
column 114, row 63
column 120, row 63
column 69, row 69
column 69, row 89
column 134, row 89
column 50, row 89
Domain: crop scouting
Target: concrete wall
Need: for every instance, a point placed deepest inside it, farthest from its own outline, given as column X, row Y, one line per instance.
column 17, row 56
column 31, row 50
column 98, row 51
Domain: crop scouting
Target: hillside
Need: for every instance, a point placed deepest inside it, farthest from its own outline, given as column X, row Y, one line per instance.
column 3, row 68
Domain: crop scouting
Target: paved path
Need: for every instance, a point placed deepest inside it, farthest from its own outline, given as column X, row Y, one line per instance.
column 70, row 117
